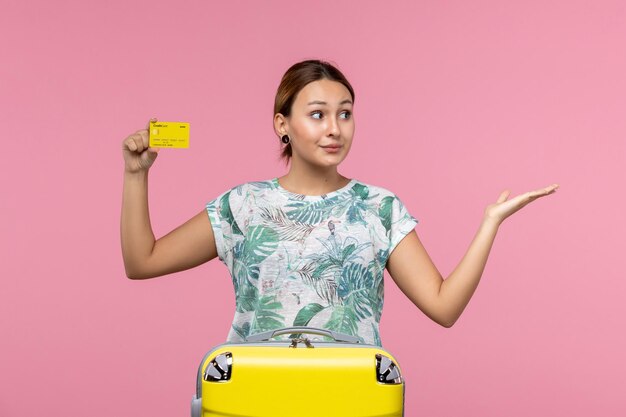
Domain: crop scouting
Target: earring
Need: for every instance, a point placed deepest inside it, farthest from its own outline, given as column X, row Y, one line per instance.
column 285, row 139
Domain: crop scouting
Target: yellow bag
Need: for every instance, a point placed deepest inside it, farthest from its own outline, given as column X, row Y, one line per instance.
column 301, row 377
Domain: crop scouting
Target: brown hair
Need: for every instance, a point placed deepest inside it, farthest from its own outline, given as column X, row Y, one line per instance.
column 295, row 79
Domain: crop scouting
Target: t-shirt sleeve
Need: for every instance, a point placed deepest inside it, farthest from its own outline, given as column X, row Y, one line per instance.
column 223, row 224
column 401, row 223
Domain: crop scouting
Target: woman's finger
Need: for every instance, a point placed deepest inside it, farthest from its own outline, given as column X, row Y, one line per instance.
column 139, row 142
column 552, row 188
column 133, row 143
column 130, row 144
column 549, row 188
column 544, row 191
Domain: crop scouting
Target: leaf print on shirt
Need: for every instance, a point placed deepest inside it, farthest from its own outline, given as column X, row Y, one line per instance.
column 384, row 212
column 322, row 270
column 355, row 290
column 227, row 214
column 244, row 271
column 360, row 204
column 259, row 243
column 286, row 228
column 243, row 331
column 317, row 211
column 337, row 254
column 376, row 268
column 246, row 295
column 325, row 287
column 342, row 320
column 265, row 316
column 305, row 315
column 361, row 191
column 356, row 203
column 376, row 297
column 377, row 265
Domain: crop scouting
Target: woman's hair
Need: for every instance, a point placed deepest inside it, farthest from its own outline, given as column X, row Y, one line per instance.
column 295, row 79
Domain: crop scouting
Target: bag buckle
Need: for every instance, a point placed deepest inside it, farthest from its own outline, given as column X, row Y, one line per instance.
column 295, row 341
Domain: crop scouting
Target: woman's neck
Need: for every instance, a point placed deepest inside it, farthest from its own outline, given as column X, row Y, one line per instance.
column 312, row 182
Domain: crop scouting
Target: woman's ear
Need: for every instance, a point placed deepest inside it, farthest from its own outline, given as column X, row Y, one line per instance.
column 280, row 125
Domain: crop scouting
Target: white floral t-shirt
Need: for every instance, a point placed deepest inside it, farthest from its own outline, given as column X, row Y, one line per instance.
column 315, row 261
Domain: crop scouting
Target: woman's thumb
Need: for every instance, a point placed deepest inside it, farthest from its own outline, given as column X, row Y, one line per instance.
column 503, row 196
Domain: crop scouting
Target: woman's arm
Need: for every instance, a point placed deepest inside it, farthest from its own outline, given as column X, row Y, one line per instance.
column 444, row 300
column 189, row 245
column 185, row 247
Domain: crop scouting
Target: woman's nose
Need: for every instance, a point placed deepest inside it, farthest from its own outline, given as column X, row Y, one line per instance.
column 333, row 126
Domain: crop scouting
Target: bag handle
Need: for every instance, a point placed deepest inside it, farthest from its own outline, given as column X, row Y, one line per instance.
column 339, row 337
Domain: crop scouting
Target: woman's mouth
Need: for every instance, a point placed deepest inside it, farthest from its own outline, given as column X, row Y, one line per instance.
column 332, row 148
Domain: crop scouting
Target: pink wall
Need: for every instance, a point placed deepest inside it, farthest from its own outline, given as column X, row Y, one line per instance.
column 455, row 101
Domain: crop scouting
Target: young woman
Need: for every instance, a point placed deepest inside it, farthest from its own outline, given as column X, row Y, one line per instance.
column 308, row 248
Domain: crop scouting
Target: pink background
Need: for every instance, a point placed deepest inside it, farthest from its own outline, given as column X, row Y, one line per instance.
column 455, row 101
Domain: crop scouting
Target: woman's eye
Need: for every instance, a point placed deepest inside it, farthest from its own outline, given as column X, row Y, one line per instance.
column 346, row 114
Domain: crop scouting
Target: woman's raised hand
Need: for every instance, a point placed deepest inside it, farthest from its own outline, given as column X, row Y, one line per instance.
column 503, row 208
column 138, row 156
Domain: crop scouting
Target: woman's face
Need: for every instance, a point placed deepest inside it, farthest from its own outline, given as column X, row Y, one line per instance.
column 321, row 124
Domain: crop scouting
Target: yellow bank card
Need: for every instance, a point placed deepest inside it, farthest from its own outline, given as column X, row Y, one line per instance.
column 169, row 135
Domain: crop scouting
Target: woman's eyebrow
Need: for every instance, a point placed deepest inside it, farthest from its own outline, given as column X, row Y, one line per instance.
column 346, row 101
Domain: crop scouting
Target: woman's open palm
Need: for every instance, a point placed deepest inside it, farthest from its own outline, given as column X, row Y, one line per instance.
column 503, row 208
